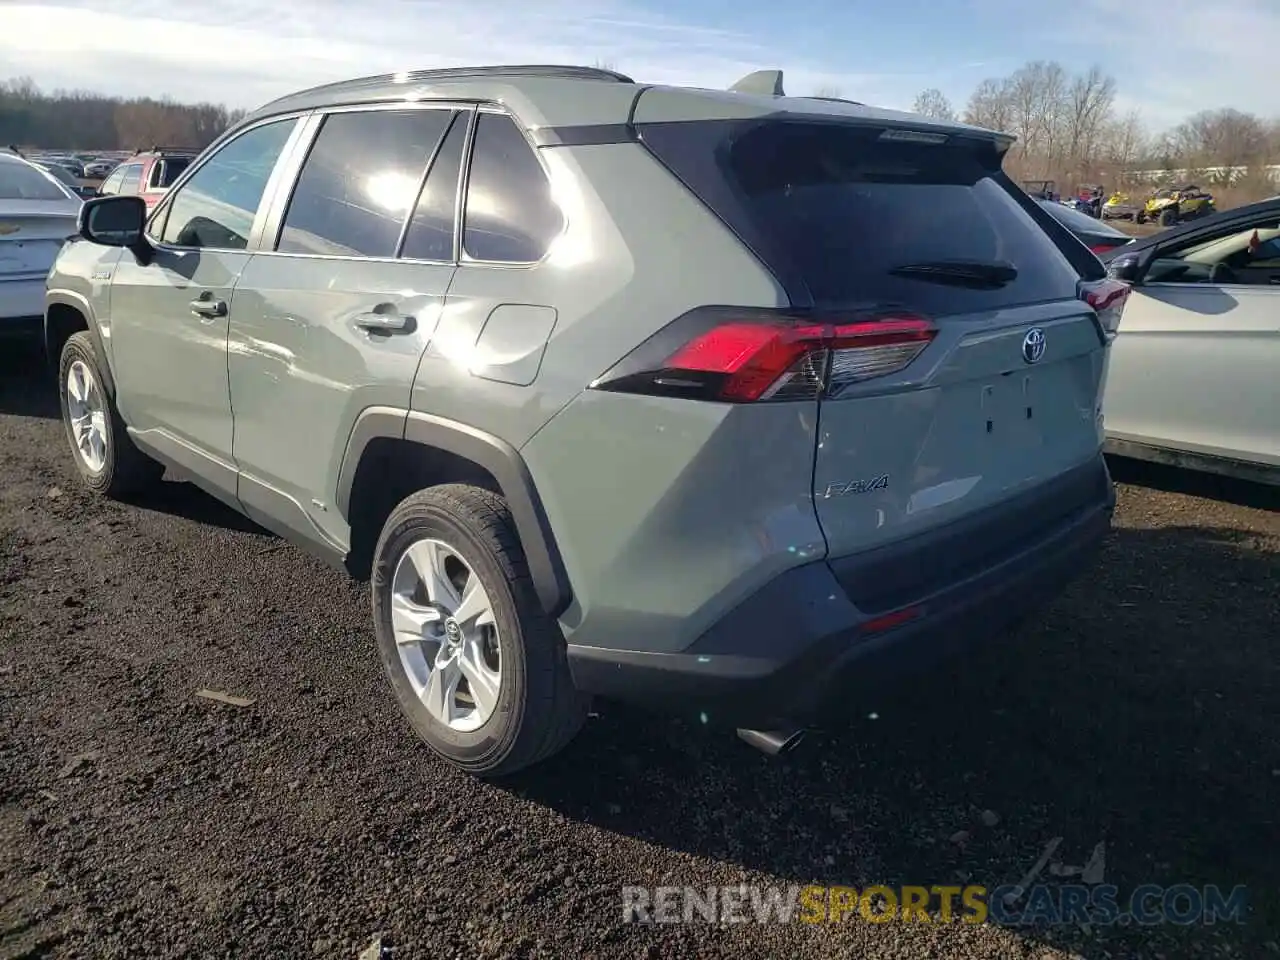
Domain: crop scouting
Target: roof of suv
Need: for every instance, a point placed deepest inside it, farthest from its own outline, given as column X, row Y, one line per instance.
column 547, row 95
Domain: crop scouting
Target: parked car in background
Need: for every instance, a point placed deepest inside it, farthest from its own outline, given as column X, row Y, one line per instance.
column 442, row 326
column 68, row 180
column 1094, row 234
column 1195, row 371
column 148, row 174
column 37, row 215
column 99, row 169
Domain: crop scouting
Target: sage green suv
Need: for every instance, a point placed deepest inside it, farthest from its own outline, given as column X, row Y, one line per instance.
column 718, row 401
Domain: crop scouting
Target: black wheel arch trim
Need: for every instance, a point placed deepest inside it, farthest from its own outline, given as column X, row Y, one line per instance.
column 69, row 298
column 497, row 457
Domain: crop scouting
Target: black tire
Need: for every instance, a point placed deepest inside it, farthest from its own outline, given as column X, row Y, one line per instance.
column 538, row 711
column 1140, row 216
column 125, row 469
column 1168, row 216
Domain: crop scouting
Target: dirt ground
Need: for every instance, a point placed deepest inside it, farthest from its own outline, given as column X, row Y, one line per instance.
column 1139, row 711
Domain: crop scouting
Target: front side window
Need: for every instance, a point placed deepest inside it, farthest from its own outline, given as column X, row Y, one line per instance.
column 510, row 215
column 132, row 179
column 217, row 206
column 1246, row 255
column 360, row 182
column 111, row 185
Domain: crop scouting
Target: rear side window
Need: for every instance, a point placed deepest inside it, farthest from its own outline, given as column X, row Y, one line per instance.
column 431, row 230
column 360, row 181
column 847, row 210
column 510, row 214
column 168, row 170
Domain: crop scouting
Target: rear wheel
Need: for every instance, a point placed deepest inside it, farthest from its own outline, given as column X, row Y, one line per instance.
column 476, row 665
column 106, row 457
column 1168, row 216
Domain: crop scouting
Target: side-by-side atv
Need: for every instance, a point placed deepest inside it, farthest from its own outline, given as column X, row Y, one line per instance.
column 1171, row 205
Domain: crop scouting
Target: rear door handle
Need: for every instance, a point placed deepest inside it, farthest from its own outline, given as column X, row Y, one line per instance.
column 382, row 322
column 208, row 307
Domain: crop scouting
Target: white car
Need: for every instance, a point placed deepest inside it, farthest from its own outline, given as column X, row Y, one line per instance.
column 1194, row 377
column 37, row 215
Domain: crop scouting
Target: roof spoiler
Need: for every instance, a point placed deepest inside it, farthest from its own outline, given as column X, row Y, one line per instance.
column 766, row 83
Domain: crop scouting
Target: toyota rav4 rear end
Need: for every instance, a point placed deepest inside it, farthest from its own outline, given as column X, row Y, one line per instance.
column 899, row 454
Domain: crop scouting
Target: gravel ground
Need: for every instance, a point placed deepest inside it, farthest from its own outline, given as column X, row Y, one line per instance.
column 136, row 819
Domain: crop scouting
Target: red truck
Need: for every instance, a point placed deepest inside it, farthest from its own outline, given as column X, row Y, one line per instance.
column 147, row 174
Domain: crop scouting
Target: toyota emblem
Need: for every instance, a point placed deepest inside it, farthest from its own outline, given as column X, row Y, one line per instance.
column 1033, row 345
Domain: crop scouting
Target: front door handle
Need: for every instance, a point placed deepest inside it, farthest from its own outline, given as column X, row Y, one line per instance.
column 209, row 307
column 382, row 322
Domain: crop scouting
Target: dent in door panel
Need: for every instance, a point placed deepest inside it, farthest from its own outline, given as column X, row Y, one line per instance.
column 512, row 342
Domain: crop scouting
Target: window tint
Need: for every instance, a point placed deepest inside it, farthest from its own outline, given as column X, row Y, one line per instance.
column 359, row 182
column 510, row 215
column 216, row 207
column 430, row 235
column 836, row 208
column 132, row 179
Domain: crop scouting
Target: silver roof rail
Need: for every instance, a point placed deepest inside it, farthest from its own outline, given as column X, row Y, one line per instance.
column 448, row 74
column 766, row 83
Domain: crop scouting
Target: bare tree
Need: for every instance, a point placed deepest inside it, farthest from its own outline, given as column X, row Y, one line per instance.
column 933, row 103
column 1088, row 110
column 79, row 119
column 991, row 106
column 1123, row 142
column 1225, row 138
column 832, row 93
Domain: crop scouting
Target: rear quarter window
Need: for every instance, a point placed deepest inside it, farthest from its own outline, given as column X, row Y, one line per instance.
column 844, row 208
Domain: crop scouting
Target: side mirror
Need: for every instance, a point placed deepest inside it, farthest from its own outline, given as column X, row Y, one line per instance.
column 116, row 222
column 1126, row 267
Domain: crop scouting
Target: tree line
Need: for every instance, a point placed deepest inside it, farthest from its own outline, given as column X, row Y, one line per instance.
column 1069, row 130
column 1067, row 124
column 81, row 120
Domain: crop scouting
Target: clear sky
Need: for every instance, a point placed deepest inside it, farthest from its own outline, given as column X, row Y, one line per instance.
column 1171, row 58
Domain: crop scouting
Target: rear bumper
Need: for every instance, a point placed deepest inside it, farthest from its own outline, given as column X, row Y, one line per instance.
column 21, row 299
column 785, row 652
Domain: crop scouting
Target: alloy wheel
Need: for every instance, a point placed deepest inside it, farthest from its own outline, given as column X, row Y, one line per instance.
column 446, row 635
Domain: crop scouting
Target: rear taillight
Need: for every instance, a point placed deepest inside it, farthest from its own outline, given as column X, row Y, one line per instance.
column 1107, row 297
column 1103, row 247
column 745, row 355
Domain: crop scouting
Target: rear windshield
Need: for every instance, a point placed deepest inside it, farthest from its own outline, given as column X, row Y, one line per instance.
column 21, row 182
column 1078, row 222
column 846, row 208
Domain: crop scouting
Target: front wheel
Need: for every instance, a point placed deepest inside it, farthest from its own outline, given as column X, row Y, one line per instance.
column 1168, row 217
column 477, row 666
column 105, row 456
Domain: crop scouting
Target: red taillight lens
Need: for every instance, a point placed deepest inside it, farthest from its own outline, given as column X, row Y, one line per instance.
column 1107, row 297
column 742, row 356
column 1102, row 247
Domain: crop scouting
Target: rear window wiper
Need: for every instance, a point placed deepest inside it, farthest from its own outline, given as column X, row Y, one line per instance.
column 984, row 274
